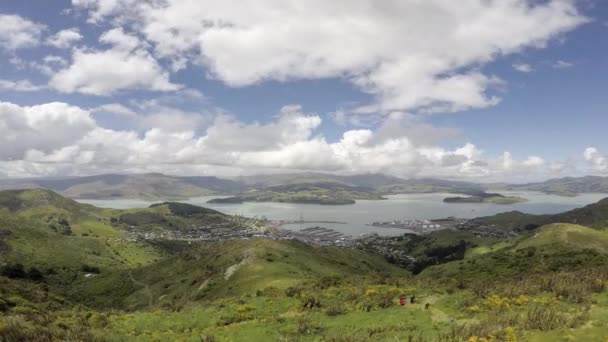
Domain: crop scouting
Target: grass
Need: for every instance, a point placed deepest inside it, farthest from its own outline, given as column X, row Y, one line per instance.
column 548, row 285
column 550, row 248
column 575, row 236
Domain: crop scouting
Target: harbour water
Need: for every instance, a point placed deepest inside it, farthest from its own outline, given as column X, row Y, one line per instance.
column 357, row 217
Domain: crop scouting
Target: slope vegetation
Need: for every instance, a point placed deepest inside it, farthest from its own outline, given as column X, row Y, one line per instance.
column 551, row 248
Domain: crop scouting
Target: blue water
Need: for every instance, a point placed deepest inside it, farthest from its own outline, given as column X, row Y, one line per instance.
column 359, row 215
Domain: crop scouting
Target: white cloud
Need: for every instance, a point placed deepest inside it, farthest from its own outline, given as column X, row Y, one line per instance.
column 18, row 33
column 126, row 65
column 20, row 85
column 534, row 161
column 44, row 127
column 114, row 108
column 562, row 64
column 522, row 67
column 64, row 38
column 598, row 161
column 49, row 64
column 56, row 137
column 385, row 48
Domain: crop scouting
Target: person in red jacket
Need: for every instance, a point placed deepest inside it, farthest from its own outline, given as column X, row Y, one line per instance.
column 402, row 300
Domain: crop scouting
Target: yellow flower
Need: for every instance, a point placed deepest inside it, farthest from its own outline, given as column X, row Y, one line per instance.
column 371, row 292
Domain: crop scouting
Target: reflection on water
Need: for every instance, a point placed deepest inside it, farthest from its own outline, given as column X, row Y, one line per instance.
column 357, row 216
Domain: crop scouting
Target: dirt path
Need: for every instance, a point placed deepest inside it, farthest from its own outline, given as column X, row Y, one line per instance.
column 248, row 257
column 439, row 315
column 146, row 288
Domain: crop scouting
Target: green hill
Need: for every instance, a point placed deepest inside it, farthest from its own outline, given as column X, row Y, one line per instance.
column 570, row 235
column 56, row 285
column 594, row 215
column 215, row 270
column 551, row 248
column 567, row 186
column 40, row 228
column 329, row 193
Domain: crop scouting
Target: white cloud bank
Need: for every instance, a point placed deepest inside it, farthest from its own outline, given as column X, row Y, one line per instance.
column 408, row 54
column 57, row 138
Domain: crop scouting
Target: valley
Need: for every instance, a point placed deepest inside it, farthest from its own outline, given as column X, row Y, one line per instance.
column 176, row 271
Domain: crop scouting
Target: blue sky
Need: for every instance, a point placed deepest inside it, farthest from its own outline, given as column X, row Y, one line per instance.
column 486, row 91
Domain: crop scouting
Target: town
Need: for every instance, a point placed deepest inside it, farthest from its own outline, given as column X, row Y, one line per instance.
column 422, row 226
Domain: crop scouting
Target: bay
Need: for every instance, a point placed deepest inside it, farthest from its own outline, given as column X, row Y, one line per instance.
column 358, row 216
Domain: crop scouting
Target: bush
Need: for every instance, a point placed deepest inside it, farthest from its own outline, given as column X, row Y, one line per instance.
column 90, row 269
column 13, row 271
column 293, row 291
column 34, row 274
column 311, row 302
column 306, row 327
column 335, row 310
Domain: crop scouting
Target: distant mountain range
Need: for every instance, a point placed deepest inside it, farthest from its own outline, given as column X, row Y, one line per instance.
column 155, row 186
column 151, row 186
column 561, row 186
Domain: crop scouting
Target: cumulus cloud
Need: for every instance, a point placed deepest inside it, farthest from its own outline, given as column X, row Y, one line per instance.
column 523, row 67
column 598, row 161
column 382, row 47
column 126, row 65
column 534, row 161
column 57, row 137
column 17, row 32
column 64, row 38
column 43, row 127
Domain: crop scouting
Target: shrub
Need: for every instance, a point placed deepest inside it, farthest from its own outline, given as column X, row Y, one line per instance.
column 34, row 274
column 310, row 302
column 335, row 310
column 293, row 291
column 90, row 269
column 306, row 327
column 13, row 271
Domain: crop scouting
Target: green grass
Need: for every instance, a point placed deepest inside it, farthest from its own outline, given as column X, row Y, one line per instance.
column 574, row 236
column 548, row 249
column 96, row 228
column 504, row 200
column 548, row 285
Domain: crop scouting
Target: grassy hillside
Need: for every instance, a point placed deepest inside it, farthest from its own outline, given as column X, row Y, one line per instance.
column 64, row 238
column 551, row 248
column 593, row 215
column 328, row 193
column 486, row 198
column 568, row 186
column 548, row 285
column 216, row 270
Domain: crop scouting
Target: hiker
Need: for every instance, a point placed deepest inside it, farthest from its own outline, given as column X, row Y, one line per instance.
column 402, row 300
column 427, row 306
column 413, row 299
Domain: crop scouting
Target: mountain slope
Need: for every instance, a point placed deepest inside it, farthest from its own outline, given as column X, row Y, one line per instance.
column 138, row 186
column 215, row 270
column 551, row 248
column 566, row 185
column 593, row 215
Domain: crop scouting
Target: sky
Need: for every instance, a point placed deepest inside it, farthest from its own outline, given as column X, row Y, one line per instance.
column 510, row 90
